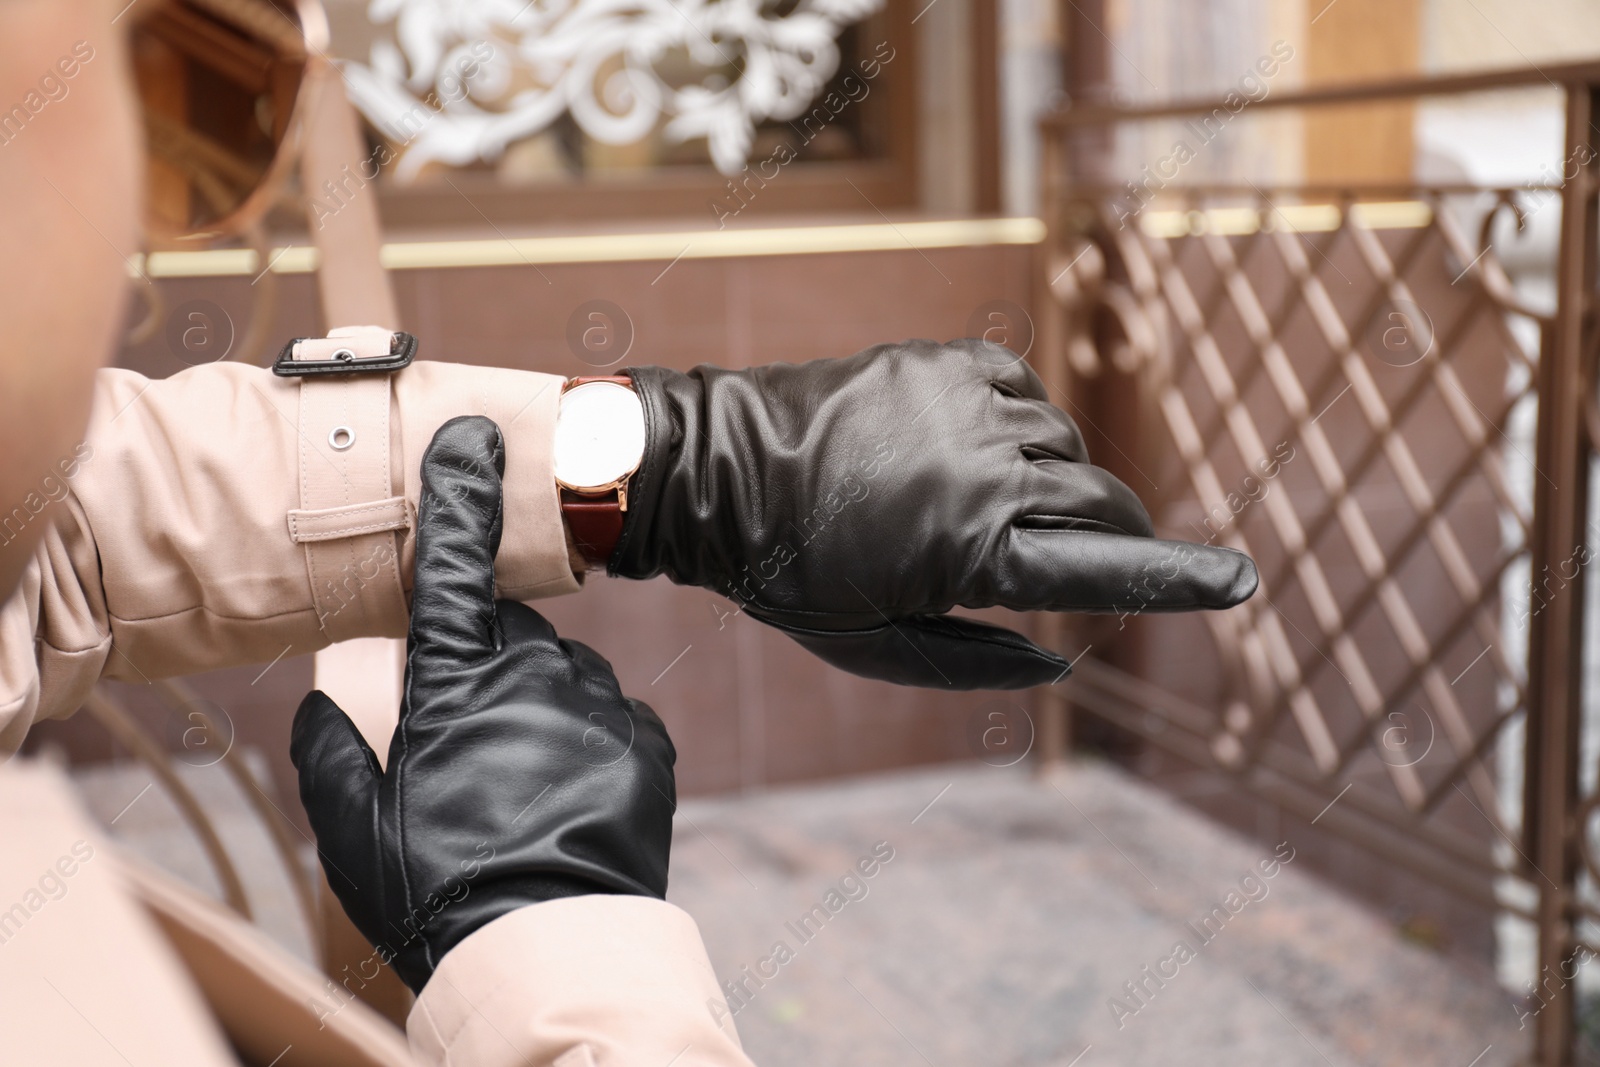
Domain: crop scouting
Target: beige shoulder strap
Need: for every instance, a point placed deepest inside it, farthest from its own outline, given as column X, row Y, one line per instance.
column 363, row 676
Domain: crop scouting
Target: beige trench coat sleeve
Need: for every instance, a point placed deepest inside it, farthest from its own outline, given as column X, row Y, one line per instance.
column 178, row 543
column 172, row 550
column 539, row 987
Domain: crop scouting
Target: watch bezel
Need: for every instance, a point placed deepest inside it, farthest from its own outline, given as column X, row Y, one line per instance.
column 618, row 484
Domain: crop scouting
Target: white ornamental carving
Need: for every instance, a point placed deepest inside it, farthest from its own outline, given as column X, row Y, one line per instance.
column 504, row 70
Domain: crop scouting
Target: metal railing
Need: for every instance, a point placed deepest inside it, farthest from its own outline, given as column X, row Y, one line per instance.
column 203, row 733
column 1344, row 382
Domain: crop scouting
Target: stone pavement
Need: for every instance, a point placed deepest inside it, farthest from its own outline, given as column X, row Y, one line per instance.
column 1002, row 918
column 1012, row 913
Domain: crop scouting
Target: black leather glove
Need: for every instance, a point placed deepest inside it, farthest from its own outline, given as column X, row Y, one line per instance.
column 852, row 502
column 519, row 772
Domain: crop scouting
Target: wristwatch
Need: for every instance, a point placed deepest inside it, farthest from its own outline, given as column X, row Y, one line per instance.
column 599, row 444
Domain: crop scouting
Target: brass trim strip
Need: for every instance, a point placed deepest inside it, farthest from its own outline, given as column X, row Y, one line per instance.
column 614, row 248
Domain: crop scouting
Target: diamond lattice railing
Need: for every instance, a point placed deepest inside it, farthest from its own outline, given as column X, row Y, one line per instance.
column 1340, row 391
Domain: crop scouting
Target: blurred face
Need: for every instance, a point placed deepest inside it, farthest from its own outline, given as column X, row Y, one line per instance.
column 71, row 180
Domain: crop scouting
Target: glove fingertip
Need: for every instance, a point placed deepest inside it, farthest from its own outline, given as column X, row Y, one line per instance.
column 324, row 736
column 1023, row 665
column 936, row 652
column 309, row 719
column 1232, row 584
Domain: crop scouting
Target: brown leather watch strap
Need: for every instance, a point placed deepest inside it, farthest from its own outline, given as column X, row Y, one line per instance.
column 595, row 525
column 614, row 379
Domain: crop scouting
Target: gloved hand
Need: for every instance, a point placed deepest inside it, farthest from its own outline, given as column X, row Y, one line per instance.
column 852, row 502
column 519, row 772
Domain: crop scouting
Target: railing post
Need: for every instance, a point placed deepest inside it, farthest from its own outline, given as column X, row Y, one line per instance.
column 1052, row 734
column 1555, row 640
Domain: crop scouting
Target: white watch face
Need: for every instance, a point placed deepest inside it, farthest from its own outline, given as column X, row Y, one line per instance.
column 599, row 435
